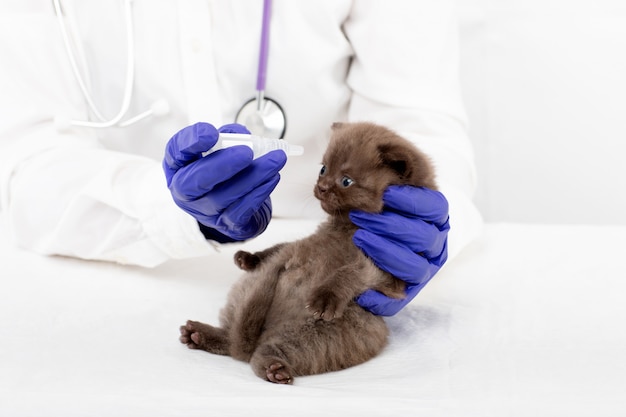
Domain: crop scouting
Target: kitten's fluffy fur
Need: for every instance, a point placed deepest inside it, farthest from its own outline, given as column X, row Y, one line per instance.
column 294, row 313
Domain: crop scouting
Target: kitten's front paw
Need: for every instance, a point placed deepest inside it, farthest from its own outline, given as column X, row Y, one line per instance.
column 246, row 260
column 326, row 305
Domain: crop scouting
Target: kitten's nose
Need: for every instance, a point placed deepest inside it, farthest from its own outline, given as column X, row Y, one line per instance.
column 322, row 189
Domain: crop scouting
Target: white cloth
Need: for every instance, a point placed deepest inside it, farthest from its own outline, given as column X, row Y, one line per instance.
column 528, row 321
column 100, row 194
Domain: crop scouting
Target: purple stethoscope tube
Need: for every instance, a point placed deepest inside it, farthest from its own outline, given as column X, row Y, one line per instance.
column 264, row 49
column 262, row 115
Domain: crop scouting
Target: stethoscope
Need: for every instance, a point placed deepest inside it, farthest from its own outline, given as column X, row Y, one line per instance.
column 261, row 115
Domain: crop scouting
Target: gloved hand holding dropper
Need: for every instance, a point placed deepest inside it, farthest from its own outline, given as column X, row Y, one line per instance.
column 227, row 191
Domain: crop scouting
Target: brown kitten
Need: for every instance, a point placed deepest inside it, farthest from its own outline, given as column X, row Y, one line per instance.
column 294, row 312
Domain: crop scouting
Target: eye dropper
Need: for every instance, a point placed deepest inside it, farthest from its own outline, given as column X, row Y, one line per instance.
column 259, row 145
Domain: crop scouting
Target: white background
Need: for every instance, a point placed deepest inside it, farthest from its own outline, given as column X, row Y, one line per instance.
column 544, row 83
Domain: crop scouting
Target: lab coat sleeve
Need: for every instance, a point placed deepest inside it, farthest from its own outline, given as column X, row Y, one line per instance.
column 63, row 193
column 83, row 201
column 405, row 75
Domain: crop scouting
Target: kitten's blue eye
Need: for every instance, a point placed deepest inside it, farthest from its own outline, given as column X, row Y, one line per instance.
column 346, row 182
column 323, row 170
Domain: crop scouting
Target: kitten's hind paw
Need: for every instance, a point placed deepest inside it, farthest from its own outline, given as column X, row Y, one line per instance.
column 202, row 336
column 246, row 260
column 278, row 374
column 189, row 335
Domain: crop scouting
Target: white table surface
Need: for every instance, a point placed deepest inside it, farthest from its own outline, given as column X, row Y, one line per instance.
column 530, row 320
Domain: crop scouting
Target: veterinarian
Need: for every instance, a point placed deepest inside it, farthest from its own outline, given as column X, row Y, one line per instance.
column 99, row 98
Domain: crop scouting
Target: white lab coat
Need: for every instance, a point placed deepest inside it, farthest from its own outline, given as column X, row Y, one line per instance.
column 101, row 194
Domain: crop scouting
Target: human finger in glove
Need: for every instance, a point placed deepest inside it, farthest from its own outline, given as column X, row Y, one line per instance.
column 408, row 240
column 227, row 191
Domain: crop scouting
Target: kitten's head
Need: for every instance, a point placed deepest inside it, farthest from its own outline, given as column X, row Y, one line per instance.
column 361, row 161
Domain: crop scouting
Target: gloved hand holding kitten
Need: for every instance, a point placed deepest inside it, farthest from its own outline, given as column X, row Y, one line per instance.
column 227, row 192
column 408, row 240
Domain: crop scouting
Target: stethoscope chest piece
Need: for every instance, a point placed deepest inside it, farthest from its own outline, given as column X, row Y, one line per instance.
column 263, row 117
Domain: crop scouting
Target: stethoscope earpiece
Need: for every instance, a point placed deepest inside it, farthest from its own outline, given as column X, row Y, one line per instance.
column 160, row 108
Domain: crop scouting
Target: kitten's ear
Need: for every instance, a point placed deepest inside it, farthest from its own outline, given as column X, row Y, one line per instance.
column 397, row 158
column 412, row 166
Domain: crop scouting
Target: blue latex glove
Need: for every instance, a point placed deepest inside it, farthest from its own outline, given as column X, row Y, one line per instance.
column 227, row 191
column 408, row 240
